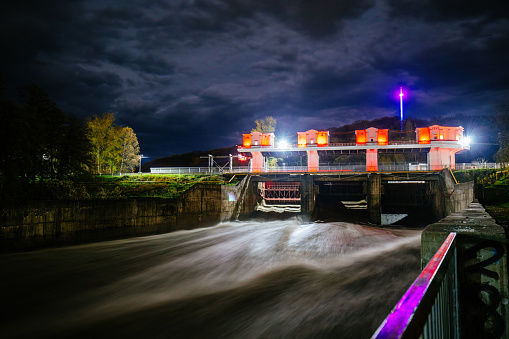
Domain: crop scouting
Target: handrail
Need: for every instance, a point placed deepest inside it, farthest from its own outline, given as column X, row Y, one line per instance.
column 321, row 168
column 429, row 308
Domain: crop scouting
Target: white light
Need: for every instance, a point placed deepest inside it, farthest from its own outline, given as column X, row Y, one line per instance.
column 465, row 141
column 283, row 144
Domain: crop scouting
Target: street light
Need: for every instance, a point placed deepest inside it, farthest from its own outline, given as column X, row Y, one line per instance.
column 283, row 144
column 141, row 156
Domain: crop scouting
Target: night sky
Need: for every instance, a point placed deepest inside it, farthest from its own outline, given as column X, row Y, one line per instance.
column 194, row 75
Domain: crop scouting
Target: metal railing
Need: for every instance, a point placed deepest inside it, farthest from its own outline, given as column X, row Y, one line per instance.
column 429, row 308
column 185, row 170
column 479, row 165
column 383, row 167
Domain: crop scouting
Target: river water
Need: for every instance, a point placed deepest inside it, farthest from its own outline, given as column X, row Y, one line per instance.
column 276, row 279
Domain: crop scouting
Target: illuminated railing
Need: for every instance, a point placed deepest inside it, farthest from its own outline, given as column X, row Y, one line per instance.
column 185, row 170
column 429, row 309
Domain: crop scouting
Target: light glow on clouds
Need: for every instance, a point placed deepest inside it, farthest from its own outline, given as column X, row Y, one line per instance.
column 212, row 68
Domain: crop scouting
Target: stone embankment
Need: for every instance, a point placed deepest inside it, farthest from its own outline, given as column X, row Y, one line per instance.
column 42, row 223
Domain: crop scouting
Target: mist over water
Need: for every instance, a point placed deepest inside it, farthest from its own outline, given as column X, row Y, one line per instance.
column 251, row 279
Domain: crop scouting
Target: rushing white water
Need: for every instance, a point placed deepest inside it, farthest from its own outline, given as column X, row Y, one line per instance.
column 234, row 280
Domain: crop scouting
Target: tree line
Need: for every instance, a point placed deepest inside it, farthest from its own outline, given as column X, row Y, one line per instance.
column 44, row 143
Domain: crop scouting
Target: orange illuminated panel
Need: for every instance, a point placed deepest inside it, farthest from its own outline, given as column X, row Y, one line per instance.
column 247, row 140
column 383, row 136
column 266, row 139
column 445, row 133
column 301, row 141
column 322, row 138
column 360, row 136
column 423, row 135
column 451, row 133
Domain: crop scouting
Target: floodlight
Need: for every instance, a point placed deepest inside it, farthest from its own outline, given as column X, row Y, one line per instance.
column 283, row 144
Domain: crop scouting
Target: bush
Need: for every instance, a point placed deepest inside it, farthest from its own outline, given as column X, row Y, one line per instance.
column 65, row 190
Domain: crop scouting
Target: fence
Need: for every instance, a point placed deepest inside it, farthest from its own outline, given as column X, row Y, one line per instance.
column 186, row 170
column 429, row 308
column 384, row 167
column 479, row 165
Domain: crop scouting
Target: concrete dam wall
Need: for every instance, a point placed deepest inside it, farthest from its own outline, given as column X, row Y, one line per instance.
column 43, row 223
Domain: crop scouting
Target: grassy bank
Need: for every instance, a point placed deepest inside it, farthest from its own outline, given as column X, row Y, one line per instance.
column 495, row 195
column 496, row 200
column 483, row 176
column 124, row 187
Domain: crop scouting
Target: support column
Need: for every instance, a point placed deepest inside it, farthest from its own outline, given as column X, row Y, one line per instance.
column 439, row 158
column 371, row 160
column 434, row 162
column 307, row 195
column 452, row 156
column 374, row 197
column 313, row 161
column 257, row 162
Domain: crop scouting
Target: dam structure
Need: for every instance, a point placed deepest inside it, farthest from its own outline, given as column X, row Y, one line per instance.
column 439, row 142
column 428, row 189
column 375, row 198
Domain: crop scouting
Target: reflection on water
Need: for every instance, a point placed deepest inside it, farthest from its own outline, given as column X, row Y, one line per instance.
column 243, row 279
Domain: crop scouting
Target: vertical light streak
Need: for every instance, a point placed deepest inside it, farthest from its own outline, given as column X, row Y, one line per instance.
column 401, row 105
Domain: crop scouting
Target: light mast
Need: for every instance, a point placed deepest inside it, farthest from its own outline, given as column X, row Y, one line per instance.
column 401, row 106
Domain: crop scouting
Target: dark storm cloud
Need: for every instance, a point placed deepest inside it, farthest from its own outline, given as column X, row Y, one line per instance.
column 189, row 75
column 449, row 10
column 317, row 18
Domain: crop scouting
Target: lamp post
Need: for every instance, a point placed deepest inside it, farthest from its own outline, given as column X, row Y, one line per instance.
column 141, row 157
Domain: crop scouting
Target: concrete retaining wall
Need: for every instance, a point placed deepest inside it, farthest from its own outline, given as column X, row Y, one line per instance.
column 449, row 196
column 42, row 223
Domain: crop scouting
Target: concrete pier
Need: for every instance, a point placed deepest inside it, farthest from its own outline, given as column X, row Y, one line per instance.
column 307, row 194
column 374, row 198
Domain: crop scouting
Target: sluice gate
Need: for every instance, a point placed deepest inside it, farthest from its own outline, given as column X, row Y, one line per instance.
column 284, row 192
column 376, row 198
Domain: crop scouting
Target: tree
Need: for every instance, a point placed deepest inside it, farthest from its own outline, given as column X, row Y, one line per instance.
column 409, row 130
column 115, row 148
column 502, row 155
column 267, row 125
column 130, row 150
column 43, row 143
column 99, row 134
